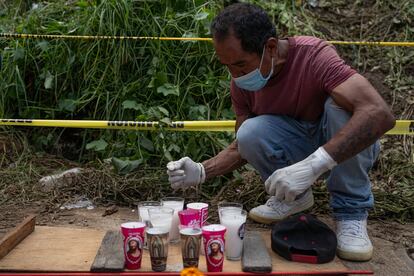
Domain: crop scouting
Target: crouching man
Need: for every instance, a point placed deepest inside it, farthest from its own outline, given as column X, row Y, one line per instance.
column 300, row 112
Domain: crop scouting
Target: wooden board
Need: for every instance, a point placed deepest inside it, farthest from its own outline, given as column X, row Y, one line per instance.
column 16, row 235
column 54, row 249
column 110, row 257
column 256, row 257
column 65, row 249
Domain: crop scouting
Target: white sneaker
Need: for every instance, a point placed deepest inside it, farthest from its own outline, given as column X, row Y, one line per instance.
column 275, row 210
column 353, row 241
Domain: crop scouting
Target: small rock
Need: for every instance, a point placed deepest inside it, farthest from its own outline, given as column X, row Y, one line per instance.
column 71, row 221
column 110, row 210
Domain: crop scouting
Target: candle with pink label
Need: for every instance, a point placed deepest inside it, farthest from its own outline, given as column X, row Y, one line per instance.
column 213, row 240
column 133, row 233
column 189, row 218
column 202, row 208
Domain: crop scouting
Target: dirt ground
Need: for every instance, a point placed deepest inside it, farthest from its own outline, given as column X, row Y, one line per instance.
column 392, row 241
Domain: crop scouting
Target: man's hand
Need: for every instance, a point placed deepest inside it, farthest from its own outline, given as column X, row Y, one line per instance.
column 288, row 182
column 185, row 173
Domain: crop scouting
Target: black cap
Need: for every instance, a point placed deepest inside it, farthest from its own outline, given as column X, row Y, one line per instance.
column 304, row 238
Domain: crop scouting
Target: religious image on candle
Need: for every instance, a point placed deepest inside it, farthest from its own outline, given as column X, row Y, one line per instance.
column 133, row 236
column 213, row 240
column 215, row 252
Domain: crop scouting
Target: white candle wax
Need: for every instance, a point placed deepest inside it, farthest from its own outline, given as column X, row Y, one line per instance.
column 236, row 209
column 234, row 222
column 162, row 222
column 174, row 231
column 143, row 213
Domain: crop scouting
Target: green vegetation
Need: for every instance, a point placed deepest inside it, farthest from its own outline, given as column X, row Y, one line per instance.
column 111, row 80
column 170, row 80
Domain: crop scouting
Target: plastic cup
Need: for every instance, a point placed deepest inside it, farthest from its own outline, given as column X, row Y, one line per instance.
column 158, row 248
column 229, row 205
column 189, row 218
column 161, row 217
column 143, row 215
column 177, row 204
column 143, row 207
column 190, row 246
column 202, row 208
column 234, row 220
column 133, row 234
column 213, row 239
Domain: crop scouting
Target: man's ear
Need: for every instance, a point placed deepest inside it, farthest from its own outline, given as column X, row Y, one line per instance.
column 271, row 46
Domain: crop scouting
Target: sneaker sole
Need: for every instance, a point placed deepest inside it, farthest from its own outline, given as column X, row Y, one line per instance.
column 266, row 220
column 354, row 256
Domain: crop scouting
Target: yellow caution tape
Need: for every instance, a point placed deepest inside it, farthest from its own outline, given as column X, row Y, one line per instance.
column 101, row 37
column 402, row 126
column 106, row 37
column 128, row 125
column 374, row 43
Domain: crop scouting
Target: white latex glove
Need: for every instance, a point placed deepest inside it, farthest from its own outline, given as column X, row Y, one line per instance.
column 288, row 182
column 185, row 173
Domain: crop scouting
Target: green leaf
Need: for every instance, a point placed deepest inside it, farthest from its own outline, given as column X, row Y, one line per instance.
column 128, row 104
column 161, row 78
column 125, row 166
column 155, row 61
column 49, row 80
column 146, row 144
column 174, row 147
column 97, row 145
column 163, row 110
column 43, row 45
column 190, row 35
column 168, row 89
column 167, row 155
column 67, row 105
column 152, row 83
column 119, row 164
column 166, row 121
column 18, row 54
column 201, row 16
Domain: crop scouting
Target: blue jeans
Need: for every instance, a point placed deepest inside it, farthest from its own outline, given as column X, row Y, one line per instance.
column 270, row 142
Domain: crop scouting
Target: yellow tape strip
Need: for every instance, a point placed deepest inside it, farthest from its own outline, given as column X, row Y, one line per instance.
column 102, row 37
column 402, row 126
column 105, row 37
column 128, row 125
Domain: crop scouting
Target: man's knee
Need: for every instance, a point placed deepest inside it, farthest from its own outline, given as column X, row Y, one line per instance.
column 335, row 117
column 332, row 107
column 247, row 136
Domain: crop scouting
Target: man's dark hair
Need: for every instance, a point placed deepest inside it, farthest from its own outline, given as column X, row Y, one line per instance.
column 247, row 22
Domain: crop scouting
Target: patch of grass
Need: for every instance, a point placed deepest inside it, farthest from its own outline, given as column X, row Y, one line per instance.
column 117, row 80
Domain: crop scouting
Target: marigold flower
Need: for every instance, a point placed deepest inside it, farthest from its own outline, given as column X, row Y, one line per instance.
column 191, row 271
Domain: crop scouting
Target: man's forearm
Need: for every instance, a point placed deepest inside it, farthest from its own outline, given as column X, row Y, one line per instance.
column 224, row 162
column 362, row 130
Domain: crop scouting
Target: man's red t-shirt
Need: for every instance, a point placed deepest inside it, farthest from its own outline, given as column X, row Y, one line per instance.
column 312, row 70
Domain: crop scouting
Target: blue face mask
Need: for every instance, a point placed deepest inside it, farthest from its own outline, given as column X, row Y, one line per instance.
column 254, row 80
